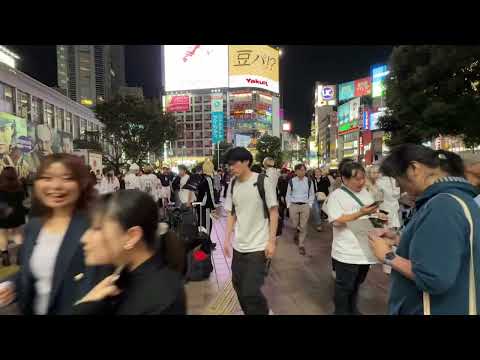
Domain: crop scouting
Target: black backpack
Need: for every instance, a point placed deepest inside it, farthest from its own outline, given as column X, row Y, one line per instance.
column 260, row 184
column 176, row 184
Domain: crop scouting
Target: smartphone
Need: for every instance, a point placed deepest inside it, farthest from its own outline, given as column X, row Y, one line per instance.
column 267, row 266
column 376, row 203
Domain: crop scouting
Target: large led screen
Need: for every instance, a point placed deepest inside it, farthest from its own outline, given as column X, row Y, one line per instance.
column 194, row 67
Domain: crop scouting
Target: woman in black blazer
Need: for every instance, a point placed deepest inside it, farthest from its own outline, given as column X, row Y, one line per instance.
column 53, row 275
column 124, row 233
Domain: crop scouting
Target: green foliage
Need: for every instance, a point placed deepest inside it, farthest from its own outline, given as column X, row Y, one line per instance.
column 134, row 127
column 432, row 91
column 269, row 146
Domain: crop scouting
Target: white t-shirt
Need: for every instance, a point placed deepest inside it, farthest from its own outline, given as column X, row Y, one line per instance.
column 150, row 184
column 273, row 175
column 109, row 185
column 346, row 247
column 42, row 265
column 132, row 182
column 391, row 194
column 252, row 229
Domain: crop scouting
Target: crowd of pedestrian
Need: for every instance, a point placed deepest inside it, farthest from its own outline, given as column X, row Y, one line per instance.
column 94, row 244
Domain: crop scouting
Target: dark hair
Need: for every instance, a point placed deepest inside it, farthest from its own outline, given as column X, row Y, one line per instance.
column 401, row 157
column 299, row 166
column 257, row 168
column 135, row 208
column 79, row 173
column 9, row 180
column 239, row 154
column 349, row 168
column 182, row 167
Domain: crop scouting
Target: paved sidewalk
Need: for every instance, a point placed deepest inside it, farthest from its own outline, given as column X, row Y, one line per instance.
column 296, row 285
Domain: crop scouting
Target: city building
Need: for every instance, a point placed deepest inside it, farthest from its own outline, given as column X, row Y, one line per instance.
column 220, row 93
column 130, row 91
column 90, row 74
column 37, row 120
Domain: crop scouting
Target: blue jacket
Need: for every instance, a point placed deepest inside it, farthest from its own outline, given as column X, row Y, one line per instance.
column 66, row 290
column 436, row 241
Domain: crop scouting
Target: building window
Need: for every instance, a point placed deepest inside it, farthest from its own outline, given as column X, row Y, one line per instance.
column 207, row 126
column 37, row 110
column 68, row 123
column 189, row 144
column 189, row 126
column 198, row 134
column 198, row 126
column 188, row 134
column 199, row 152
column 208, row 152
column 49, row 116
column 76, row 127
column 198, row 99
column 198, row 108
column 198, row 144
column 59, row 121
column 24, row 106
column 189, row 117
column 6, row 99
column 180, row 144
column 207, row 116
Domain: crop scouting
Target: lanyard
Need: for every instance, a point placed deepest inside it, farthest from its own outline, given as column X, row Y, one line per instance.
column 354, row 197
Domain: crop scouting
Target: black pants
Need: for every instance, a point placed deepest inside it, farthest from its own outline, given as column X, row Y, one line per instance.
column 248, row 276
column 347, row 282
column 225, row 189
column 282, row 207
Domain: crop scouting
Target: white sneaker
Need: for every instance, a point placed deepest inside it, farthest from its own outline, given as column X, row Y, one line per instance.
column 270, row 312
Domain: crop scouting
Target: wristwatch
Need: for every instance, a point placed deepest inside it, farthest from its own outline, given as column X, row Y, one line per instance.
column 389, row 258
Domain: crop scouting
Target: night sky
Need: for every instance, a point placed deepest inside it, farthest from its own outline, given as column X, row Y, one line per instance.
column 301, row 66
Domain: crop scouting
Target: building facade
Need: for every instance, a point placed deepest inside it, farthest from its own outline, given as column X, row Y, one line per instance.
column 36, row 120
column 90, row 74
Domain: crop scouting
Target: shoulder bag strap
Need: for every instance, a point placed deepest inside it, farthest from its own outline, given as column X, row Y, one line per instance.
column 472, row 292
column 355, row 197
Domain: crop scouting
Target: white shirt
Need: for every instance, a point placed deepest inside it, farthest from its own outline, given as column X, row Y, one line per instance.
column 346, row 247
column 42, row 265
column 183, row 194
column 273, row 175
column 109, row 185
column 391, row 195
column 150, row 184
column 132, row 182
column 252, row 230
column 300, row 191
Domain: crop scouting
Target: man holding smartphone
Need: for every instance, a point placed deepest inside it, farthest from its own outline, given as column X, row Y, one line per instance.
column 252, row 209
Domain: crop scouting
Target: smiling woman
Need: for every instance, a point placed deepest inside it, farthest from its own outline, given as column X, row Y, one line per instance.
column 53, row 274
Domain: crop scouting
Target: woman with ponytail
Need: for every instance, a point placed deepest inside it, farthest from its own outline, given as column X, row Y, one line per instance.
column 434, row 270
column 147, row 281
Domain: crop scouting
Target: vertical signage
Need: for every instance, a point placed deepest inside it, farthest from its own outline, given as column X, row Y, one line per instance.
column 363, row 87
column 217, row 118
column 346, row 91
column 378, row 80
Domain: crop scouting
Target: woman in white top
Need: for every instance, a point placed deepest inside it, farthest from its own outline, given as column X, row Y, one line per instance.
column 391, row 196
column 150, row 183
column 352, row 258
column 52, row 274
column 109, row 183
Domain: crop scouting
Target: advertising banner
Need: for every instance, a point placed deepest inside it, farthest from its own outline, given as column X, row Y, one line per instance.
column 217, row 127
column 348, row 116
column 363, row 87
column 177, row 103
column 326, row 95
column 217, row 103
column 366, row 120
column 379, row 73
column 346, row 91
column 254, row 66
column 193, row 67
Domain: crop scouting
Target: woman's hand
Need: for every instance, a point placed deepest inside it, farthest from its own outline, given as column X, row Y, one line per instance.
column 387, row 234
column 105, row 288
column 368, row 210
column 379, row 246
column 7, row 293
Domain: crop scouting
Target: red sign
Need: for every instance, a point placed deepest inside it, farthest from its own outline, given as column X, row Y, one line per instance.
column 178, row 103
column 363, row 87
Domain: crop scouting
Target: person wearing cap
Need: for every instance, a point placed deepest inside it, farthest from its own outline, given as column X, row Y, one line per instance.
column 132, row 181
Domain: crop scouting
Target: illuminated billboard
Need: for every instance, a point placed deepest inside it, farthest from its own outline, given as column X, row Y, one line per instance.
column 177, row 103
column 346, row 91
column 348, row 116
column 363, row 87
column 193, row 67
column 326, row 95
column 379, row 73
column 254, row 66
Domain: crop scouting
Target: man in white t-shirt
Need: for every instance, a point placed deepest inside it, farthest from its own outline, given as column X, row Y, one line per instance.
column 185, row 196
column 351, row 258
column 132, row 181
column 255, row 223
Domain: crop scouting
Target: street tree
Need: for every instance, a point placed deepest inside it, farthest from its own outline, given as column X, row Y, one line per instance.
column 134, row 127
column 269, row 146
column 432, row 91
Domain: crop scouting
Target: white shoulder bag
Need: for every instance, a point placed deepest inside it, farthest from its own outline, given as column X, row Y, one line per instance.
column 472, row 294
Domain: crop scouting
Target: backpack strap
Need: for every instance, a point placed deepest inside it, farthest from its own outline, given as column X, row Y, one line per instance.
column 355, row 197
column 261, row 192
column 231, row 194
